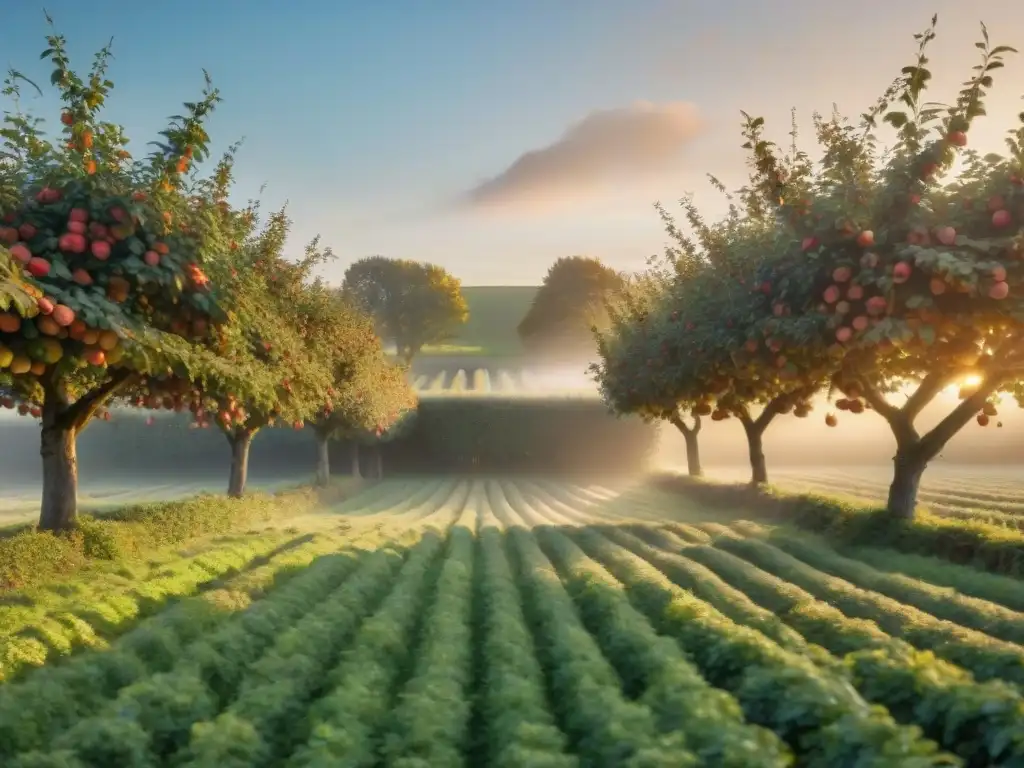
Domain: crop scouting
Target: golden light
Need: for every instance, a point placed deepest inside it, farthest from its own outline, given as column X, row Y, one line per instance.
column 972, row 381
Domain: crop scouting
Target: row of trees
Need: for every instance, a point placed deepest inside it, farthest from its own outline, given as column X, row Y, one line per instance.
column 135, row 281
column 878, row 278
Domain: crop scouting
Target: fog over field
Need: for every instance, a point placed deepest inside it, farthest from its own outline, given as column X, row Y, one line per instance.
column 856, row 452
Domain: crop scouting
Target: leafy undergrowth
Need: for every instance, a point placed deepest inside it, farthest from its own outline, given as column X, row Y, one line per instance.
column 522, row 623
column 984, row 545
column 29, row 557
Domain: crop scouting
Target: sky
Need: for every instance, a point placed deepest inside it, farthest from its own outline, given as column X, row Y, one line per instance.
column 495, row 137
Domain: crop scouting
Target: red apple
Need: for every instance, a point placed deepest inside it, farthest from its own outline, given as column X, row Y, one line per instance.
column 866, row 239
column 38, row 267
column 946, row 235
column 1001, row 218
column 842, row 274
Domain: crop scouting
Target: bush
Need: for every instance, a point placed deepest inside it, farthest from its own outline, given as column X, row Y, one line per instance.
column 28, row 556
column 982, row 545
column 519, row 435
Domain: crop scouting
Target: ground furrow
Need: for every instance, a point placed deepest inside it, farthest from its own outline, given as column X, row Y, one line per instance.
column 605, row 727
column 265, row 720
column 430, row 724
column 556, row 509
column 815, row 710
column 991, row 587
column 709, row 587
column 914, row 686
column 984, row 656
column 990, row 618
column 655, row 671
column 518, row 728
column 622, row 508
column 345, row 724
column 92, row 624
column 531, row 509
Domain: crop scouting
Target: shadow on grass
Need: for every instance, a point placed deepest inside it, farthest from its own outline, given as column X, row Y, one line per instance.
column 109, row 625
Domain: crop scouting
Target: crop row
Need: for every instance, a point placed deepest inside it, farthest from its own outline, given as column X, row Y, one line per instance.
column 983, row 722
column 537, row 641
column 51, row 700
column 31, row 635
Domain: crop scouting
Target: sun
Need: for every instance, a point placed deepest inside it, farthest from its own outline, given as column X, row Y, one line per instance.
column 972, row 380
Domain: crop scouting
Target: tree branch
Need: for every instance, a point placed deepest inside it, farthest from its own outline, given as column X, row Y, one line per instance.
column 877, row 401
column 769, row 412
column 677, row 421
column 76, row 415
column 926, row 391
column 936, row 439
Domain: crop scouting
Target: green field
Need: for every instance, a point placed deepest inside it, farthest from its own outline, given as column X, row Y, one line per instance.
column 497, row 622
column 494, row 314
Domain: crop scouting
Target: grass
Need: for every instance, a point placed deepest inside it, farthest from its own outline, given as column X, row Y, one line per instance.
column 501, row 622
column 494, row 314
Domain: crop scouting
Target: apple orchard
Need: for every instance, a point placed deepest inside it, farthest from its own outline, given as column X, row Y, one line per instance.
column 134, row 281
column 858, row 275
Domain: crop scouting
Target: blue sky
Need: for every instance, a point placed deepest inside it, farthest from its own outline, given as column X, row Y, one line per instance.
column 375, row 119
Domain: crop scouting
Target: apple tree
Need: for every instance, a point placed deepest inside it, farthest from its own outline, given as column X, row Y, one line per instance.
column 906, row 276
column 113, row 254
column 372, row 403
column 271, row 341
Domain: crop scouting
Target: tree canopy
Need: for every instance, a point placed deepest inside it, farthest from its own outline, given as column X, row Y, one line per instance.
column 860, row 273
column 113, row 250
column 413, row 303
column 569, row 303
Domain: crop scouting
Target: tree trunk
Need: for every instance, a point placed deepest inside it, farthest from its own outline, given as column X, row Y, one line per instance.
column 908, row 467
column 355, row 460
column 693, row 467
column 323, row 461
column 59, row 511
column 692, row 446
column 240, row 442
column 378, row 461
column 755, row 447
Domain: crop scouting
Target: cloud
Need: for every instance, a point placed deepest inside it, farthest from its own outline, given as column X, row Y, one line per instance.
column 606, row 150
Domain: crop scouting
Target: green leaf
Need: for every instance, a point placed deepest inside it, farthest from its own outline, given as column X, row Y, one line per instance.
column 927, row 334
column 896, row 119
column 133, row 265
column 136, row 246
column 59, row 269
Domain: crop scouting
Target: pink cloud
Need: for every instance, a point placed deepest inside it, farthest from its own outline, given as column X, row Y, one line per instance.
column 606, row 150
